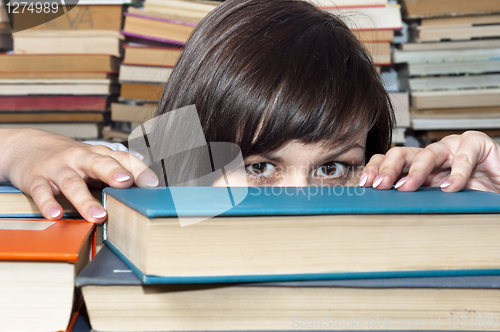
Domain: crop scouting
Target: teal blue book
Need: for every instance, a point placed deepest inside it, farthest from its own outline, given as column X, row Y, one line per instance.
column 112, row 291
column 259, row 234
column 262, row 201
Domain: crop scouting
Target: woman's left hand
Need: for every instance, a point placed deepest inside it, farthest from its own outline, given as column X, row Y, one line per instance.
column 470, row 160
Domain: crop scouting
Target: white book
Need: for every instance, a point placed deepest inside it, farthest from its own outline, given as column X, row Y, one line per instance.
column 179, row 4
column 73, row 130
column 458, row 32
column 57, row 89
column 399, row 135
column 456, row 99
column 440, row 56
column 347, row 3
column 371, row 18
column 68, row 42
column 418, row 69
column 144, row 74
column 401, row 104
column 452, row 45
column 454, row 82
column 465, row 124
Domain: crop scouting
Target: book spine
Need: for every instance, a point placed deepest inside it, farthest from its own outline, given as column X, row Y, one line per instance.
column 104, row 228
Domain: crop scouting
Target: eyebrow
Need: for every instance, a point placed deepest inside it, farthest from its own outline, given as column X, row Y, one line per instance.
column 272, row 157
column 343, row 151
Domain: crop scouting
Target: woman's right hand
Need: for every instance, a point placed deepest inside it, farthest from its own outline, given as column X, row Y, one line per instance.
column 43, row 165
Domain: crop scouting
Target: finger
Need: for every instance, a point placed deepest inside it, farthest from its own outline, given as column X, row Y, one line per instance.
column 396, row 161
column 105, row 168
column 77, row 192
column 463, row 163
column 43, row 196
column 424, row 162
column 134, row 167
column 143, row 175
column 371, row 170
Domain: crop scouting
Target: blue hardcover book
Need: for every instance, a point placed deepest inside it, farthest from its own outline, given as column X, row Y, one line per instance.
column 16, row 204
column 116, row 300
column 210, row 235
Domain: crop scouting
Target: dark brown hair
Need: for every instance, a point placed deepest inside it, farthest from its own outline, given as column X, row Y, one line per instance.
column 264, row 72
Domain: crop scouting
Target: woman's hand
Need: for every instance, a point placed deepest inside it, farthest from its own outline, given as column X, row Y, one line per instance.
column 43, row 165
column 470, row 160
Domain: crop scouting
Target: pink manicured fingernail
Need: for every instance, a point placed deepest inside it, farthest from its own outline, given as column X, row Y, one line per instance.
column 446, row 183
column 54, row 212
column 378, row 180
column 401, row 182
column 97, row 212
column 150, row 180
column 122, row 177
column 362, row 179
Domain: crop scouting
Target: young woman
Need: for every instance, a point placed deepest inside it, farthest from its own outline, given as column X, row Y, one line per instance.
column 293, row 88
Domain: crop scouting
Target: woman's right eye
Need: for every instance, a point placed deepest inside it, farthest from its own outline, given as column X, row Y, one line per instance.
column 261, row 169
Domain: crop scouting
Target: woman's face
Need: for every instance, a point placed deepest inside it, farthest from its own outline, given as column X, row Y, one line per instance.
column 297, row 165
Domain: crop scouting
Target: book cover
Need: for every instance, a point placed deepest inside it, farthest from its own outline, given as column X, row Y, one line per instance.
column 269, row 201
column 315, row 233
column 43, row 240
column 39, row 259
column 52, row 103
column 112, row 292
column 58, row 63
column 107, row 269
column 156, row 28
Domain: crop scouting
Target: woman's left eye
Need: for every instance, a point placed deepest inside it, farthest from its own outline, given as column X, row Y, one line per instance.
column 331, row 170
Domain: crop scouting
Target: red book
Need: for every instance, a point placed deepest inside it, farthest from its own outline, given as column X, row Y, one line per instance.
column 52, row 103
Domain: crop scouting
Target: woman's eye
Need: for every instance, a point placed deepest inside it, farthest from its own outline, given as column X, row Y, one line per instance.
column 331, row 170
column 261, row 169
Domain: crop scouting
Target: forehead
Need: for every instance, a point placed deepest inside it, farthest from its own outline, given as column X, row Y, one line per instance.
column 299, row 152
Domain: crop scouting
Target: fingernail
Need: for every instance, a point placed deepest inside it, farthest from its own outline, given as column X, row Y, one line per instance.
column 378, row 180
column 122, row 177
column 97, row 212
column 362, row 179
column 150, row 180
column 54, row 212
column 446, row 183
column 401, row 182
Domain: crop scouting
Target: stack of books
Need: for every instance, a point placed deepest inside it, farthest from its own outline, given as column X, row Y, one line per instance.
column 451, row 66
column 5, row 30
column 375, row 22
column 62, row 72
column 156, row 34
column 143, row 74
column 372, row 21
column 280, row 259
column 39, row 259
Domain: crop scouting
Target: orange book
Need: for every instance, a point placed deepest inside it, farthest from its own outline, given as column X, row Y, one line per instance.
column 39, row 259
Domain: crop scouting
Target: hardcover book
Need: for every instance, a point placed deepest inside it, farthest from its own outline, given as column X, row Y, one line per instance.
column 15, row 203
column 38, row 262
column 116, row 300
column 297, row 233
